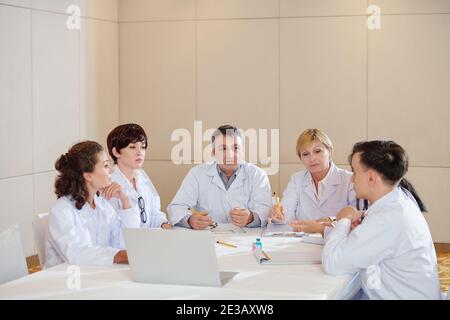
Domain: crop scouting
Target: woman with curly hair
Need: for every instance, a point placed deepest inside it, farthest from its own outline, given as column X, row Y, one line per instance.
column 83, row 228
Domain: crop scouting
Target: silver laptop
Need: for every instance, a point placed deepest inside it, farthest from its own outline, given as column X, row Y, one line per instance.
column 183, row 257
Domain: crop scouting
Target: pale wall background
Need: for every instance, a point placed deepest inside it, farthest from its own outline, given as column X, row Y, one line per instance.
column 288, row 64
column 56, row 87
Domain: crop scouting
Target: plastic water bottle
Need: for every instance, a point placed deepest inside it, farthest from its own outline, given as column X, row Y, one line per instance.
column 258, row 244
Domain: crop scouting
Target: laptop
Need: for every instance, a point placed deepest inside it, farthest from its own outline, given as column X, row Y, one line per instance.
column 180, row 257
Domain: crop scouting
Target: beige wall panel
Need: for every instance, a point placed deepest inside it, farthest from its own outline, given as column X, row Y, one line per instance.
column 409, row 81
column 16, row 115
column 323, row 82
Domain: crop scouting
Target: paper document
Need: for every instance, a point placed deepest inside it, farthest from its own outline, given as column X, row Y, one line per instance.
column 314, row 238
column 227, row 228
column 277, row 257
column 280, row 230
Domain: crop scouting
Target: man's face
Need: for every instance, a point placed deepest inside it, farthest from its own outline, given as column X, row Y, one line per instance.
column 228, row 151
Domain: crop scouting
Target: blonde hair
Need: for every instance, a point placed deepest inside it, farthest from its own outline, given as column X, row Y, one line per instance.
column 310, row 135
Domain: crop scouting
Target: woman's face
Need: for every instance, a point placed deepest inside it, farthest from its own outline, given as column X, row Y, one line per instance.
column 101, row 176
column 360, row 177
column 132, row 156
column 315, row 157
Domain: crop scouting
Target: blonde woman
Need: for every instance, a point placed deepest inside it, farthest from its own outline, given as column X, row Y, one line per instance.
column 318, row 193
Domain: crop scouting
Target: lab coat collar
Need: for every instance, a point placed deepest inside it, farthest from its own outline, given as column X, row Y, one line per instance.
column 98, row 202
column 125, row 182
column 333, row 180
column 387, row 198
column 214, row 174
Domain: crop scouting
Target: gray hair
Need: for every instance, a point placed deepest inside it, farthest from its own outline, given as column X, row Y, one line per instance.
column 226, row 130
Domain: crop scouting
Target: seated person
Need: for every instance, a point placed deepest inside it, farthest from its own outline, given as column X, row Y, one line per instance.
column 83, row 228
column 390, row 245
column 318, row 192
column 228, row 190
column 127, row 145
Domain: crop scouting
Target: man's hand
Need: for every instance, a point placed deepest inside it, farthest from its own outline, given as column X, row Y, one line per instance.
column 200, row 221
column 241, row 217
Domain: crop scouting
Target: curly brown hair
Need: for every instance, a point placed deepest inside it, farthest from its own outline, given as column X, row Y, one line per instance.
column 81, row 158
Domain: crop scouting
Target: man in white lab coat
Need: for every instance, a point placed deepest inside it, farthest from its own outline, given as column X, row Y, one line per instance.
column 228, row 190
column 390, row 245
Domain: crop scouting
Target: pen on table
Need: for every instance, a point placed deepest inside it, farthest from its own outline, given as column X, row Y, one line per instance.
column 226, row 244
column 266, row 255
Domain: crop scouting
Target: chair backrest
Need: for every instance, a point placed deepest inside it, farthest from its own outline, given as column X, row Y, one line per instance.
column 40, row 222
column 448, row 293
column 13, row 264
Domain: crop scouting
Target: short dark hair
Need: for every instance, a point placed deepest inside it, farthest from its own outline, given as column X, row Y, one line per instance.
column 227, row 130
column 81, row 158
column 120, row 137
column 386, row 157
column 390, row 160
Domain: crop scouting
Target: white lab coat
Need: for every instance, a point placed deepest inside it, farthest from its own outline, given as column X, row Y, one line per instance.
column 299, row 200
column 203, row 190
column 392, row 249
column 84, row 237
column 146, row 189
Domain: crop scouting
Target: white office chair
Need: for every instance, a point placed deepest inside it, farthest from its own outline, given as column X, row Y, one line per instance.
column 12, row 260
column 448, row 293
column 40, row 222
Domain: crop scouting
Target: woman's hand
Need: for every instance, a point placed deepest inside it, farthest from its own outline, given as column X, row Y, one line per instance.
column 309, row 226
column 115, row 190
column 352, row 214
column 166, row 225
column 276, row 215
column 121, row 257
column 349, row 213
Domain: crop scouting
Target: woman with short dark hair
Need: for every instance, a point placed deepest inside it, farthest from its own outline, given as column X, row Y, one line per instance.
column 390, row 245
column 127, row 145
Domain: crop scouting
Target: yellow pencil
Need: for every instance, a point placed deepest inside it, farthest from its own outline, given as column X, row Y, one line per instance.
column 197, row 212
column 226, row 244
column 277, row 200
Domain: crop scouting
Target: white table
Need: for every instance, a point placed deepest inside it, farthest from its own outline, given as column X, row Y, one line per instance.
column 253, row 281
